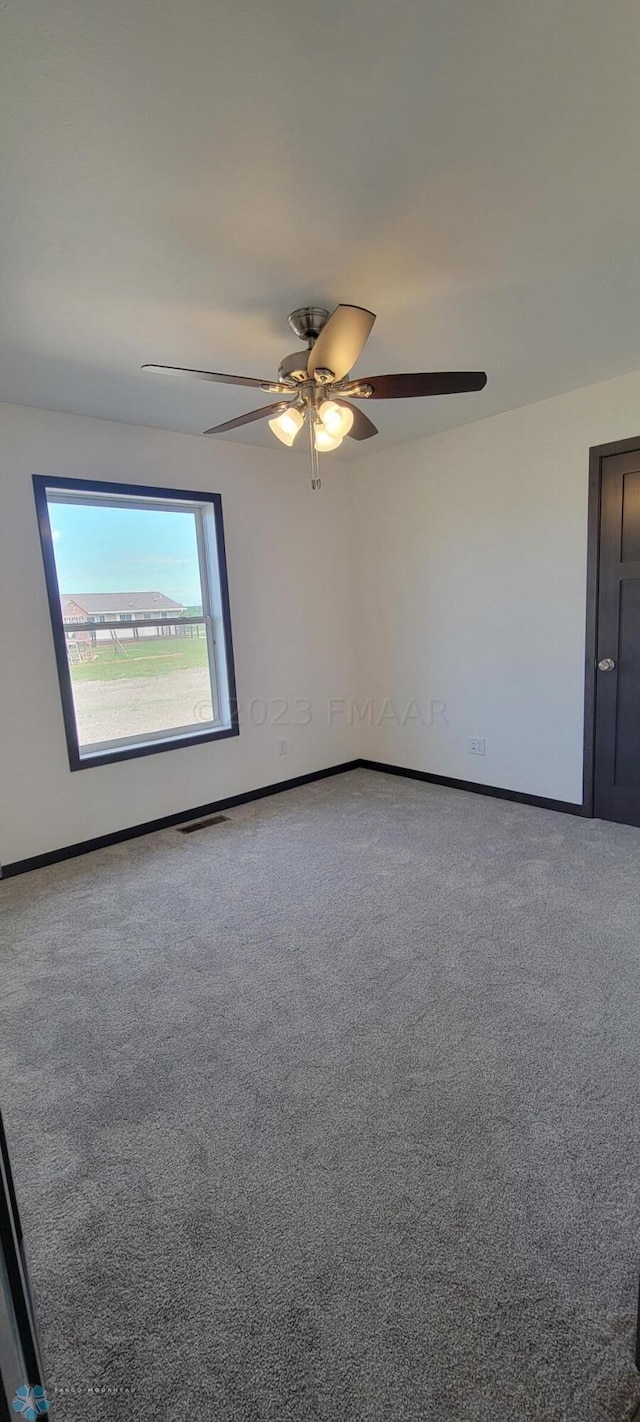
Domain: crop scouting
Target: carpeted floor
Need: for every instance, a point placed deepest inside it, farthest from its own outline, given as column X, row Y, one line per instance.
column 331, row 1113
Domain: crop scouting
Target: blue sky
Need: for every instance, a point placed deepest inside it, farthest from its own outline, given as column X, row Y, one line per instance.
column 125, row 550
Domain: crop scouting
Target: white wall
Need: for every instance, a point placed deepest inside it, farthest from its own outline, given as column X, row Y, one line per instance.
column 470, row 572
column 291, row 603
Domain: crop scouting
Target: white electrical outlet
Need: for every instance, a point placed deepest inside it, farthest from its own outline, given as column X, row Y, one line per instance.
column 282, row 747
column 477, row 745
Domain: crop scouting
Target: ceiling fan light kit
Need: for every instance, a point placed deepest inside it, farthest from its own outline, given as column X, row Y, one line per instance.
column 317, row 379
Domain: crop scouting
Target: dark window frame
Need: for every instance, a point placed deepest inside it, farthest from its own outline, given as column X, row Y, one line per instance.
column 41, row 483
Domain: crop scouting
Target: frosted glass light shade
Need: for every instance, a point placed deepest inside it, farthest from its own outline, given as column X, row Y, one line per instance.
column 324, row 441
column 337, row 419
column 286, row 425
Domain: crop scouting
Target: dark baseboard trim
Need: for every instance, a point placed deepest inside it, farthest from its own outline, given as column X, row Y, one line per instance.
column 72, row 851
column 566, row 807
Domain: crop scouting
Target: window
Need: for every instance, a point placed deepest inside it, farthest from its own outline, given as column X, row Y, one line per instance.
column 137, row 586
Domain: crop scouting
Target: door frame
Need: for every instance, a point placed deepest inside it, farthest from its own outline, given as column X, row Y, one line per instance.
column 597, row 454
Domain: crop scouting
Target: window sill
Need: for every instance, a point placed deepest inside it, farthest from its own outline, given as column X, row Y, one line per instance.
column 129, row 752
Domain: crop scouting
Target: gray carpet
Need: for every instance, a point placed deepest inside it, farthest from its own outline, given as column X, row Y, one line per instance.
column 331, row 1112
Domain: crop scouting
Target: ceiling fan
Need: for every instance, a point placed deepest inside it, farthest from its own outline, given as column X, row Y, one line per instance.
column 317, row 379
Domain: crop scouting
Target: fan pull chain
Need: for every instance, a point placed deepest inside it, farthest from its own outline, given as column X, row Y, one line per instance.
column 316, row 482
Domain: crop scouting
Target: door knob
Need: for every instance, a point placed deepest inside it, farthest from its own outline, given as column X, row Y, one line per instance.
column 607, row 664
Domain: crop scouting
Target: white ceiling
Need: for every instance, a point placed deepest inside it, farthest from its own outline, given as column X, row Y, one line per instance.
column 177, row 175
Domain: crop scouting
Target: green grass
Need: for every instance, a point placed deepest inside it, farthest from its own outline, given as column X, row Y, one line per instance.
column 149, row 656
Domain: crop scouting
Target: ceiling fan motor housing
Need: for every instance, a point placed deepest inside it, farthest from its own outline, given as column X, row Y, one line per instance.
column 294, row 366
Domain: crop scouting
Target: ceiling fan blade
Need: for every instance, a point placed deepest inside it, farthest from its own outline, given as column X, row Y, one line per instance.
column 262, row 414
column 362, row 427
column 275, row 386
column 407, row 387
column 341, row 341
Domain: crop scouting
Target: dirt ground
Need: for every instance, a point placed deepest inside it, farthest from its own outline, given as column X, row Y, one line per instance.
column 108, row 709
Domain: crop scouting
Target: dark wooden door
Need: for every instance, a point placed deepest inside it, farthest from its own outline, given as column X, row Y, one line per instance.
column 617, row 731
